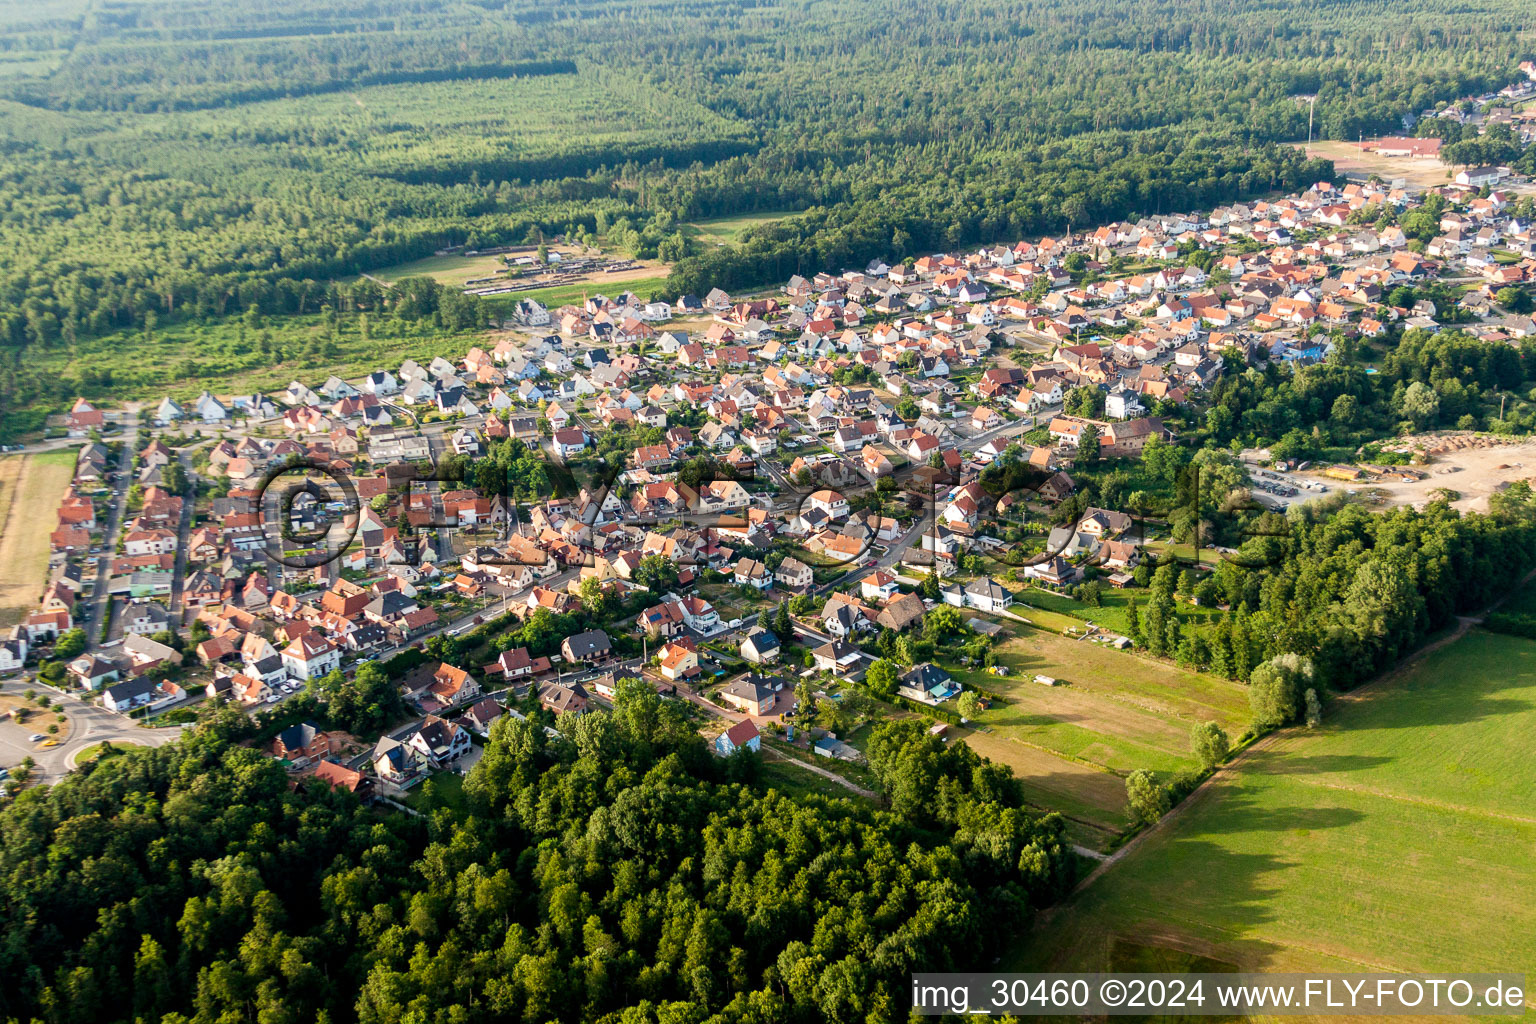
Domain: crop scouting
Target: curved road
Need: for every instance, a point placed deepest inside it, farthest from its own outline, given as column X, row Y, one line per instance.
column 88, row 724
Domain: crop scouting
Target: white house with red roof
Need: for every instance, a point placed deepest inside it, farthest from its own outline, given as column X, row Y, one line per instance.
column 310, row 657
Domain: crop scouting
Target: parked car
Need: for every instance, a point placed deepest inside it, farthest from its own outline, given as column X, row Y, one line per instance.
column 36, row 737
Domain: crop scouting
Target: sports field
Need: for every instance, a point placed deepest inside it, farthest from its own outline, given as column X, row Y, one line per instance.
column 30, row 489
column 1401, row 835
column 1349, row 158
column 1113, row 712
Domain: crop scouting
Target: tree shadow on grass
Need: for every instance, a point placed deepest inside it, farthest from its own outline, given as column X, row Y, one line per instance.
column 1194, row 886
column 1287, row 763
column 1180, row 893
column 1439, row 707
column 1281, row 819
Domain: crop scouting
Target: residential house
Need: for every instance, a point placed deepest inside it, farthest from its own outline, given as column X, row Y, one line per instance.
column 741, row 736
column 590, row 647
column 760, row 646
column 754, row 695
column 310, row 657
column 439, row 742
column 563, row 697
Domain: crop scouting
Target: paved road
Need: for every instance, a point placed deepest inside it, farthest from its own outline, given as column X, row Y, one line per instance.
column 115, row 516
column 89, row 724
column 894, row 553
column 183, row 535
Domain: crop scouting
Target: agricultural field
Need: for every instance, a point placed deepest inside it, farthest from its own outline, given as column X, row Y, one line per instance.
column 30, row 489
column 1396, row 837
column 1112, row 712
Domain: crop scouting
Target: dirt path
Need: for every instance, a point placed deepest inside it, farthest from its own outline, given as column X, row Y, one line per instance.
column 867, row 794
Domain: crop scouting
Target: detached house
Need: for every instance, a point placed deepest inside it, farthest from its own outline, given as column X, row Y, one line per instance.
column 987, row 595
column 310, row 657
column 741, row 736
column 591, row 647
column 439, row 742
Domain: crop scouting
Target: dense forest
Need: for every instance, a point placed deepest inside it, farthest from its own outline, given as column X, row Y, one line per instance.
column 618, row 873
column 161, row 158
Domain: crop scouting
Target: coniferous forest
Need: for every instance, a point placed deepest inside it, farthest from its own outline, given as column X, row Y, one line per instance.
column 169, row 159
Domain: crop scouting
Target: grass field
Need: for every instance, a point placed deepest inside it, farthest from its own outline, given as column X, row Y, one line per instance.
column 1073, row 744
column 445, row 789
column 455, row 271
column 561, row 295
column 30, row 489
column 10, row 475
column 1111, row 612
column 728, row 230
column 182, row 359
column 445, row 270
column 92, row 752
column 796, row 782
column 1399, row 836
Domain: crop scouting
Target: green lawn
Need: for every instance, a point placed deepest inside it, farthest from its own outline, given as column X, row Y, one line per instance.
column 1399, row 836
column 1050, row 609
column 728, row 230
column 93, row 751
column 445, row 789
